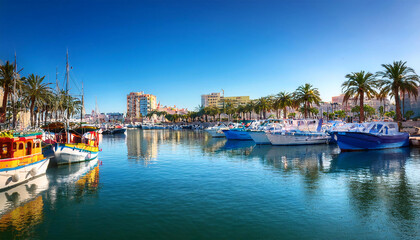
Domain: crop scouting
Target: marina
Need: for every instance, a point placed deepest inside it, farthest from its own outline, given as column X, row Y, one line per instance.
column 183, row 181
column 254, row 119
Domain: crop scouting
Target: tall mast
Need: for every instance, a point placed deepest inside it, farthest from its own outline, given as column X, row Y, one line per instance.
column 15, row 75
column 56, row 80
column 67, row 82
column 83, row 107
column 67, row 96
column 96, row 110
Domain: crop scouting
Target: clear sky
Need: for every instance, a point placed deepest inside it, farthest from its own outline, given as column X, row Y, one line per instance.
column 178, row 50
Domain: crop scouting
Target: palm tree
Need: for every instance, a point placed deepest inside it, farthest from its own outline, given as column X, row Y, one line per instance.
column 382, row 96
column 263, row 105
column 35, row 90
column 307, row 95
column 284, row 100
column 249, row 107
column 397, row 78
column 410, row 89
column 6, row 82
column 357, row 86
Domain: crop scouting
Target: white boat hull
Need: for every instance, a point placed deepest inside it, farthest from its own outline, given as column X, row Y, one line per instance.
column 215, row 133
column 280, row 139
column 67, row 155
column 259, row 137
column 16, row 176
column 22, row 194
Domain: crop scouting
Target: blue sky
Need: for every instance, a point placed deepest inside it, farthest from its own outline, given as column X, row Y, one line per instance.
column 178, row 50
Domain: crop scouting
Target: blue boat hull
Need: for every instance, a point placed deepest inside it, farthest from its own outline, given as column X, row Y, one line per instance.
column 237, row 135
column 332, row 139
column 356, row 141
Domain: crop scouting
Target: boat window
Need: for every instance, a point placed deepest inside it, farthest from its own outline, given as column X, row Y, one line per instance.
column 4, row 149
column 37, row 145
column 28, row 148
column 33, row 145
column 20, row 146
column 14, row 146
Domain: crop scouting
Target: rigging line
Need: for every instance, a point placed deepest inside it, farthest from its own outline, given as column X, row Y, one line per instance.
column 75, row 83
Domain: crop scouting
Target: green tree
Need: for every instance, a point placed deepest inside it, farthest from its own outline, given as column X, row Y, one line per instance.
column 7, row 72
column 408, row 114
column 35, row 90
column 381, row 111
column 249, row 107
column 263, row 105
column 307, row 95
column 398, row 78
column 284, row 100
column 390, row 114
column 370, row 111
column 340, row 113
column 359, row 85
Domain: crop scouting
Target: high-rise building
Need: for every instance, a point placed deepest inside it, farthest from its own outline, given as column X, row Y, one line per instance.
column 147, row 104
column 236, row 101
column 139, row 104
column 214, row 99
column 210, row 100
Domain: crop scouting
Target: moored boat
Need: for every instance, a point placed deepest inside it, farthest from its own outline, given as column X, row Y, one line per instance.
column 21, row 158
column 300, row 132
column 237, row 134
column 374, row 135
column 271, row 125
column 216, row 131
column 71, row 147
column 297, row 138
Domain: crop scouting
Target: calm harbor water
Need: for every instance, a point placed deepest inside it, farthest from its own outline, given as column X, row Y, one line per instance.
column 161, row 184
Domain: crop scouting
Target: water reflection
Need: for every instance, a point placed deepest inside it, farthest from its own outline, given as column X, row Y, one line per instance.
column 21, row 207
column 377, row 162
column 143, row 145
column 310, row 158
column 236, row 144
column 73, row 181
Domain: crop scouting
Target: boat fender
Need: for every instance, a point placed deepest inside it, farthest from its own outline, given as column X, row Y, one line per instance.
column 15, row 177
column 33, row 172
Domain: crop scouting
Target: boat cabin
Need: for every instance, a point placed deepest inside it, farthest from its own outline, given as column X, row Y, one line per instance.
column 20, row 146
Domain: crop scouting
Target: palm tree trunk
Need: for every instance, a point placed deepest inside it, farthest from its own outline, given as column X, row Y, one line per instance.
column 4, row 106
column 362, row 109
column 306, row 109
column 403, row 103
column 284, row 112
column 32, row 112
column 398, row 105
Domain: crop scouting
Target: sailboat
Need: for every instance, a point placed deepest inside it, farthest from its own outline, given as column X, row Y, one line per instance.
column 71, row 146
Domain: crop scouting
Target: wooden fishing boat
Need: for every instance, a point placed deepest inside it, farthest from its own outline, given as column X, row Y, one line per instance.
column 21, row 158
column 73, row 147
